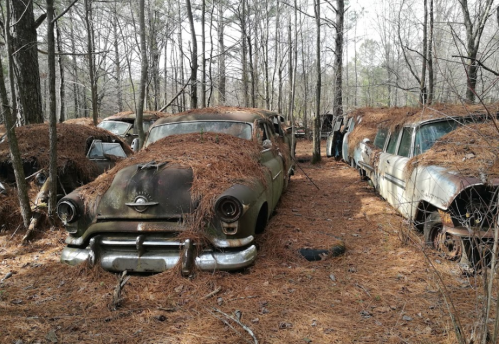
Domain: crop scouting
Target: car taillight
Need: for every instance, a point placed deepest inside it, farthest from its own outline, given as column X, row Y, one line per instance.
column 228, row 209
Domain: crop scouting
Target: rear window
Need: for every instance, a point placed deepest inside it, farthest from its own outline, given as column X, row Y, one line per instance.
column 405, row 142
column 428, row 134
column 379, row 140
column 392, row 142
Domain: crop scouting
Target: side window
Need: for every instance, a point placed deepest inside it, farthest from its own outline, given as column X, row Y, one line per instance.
column 392, row 142
column 262, row 132
column 405, row 142
column 96, row 150
column 379, row 140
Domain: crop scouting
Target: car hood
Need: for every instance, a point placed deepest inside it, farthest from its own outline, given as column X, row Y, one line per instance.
column 148, row 191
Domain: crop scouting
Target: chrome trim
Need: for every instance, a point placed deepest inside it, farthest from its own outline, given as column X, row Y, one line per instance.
column 400, row 183
column 277, row 175
column 160, row 261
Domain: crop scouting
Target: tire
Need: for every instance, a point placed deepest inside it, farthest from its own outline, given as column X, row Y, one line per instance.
column 434, row 237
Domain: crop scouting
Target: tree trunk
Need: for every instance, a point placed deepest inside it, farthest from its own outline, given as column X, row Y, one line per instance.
column 338, row 58
column 431, row 76
column 24, row 44
column 473, row 37
column 17, row 165
column 221, row 57
column 62, row 86
column 203, row 54
column 194, row 59
column 316, row 154
column 52, row 109
column 244, row 54
column 76, row 90
column 143, row 74
column 90, row 58
column 422, row 84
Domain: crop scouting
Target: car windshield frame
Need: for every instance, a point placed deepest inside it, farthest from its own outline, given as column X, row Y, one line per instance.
column 430, row 133
column 99, row 150
column 168, row 129
column 116, row 127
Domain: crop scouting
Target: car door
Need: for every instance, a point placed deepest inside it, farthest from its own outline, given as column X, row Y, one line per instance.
column 394, row 168
column 344, row 148
column 274, row 162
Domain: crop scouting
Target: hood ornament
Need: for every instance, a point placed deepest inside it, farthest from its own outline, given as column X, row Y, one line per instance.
column 140, row 204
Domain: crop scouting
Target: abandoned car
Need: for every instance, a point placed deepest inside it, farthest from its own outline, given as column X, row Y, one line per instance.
column 206, row 182
column 123, row 124
column 83, row 153
column 452, row 206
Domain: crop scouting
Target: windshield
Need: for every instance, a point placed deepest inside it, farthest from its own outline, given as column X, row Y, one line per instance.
column 100, row 149
column 238, row 129
column 428, row 134
column 117, row 128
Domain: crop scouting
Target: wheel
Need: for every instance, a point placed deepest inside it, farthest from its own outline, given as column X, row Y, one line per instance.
column 435, row 237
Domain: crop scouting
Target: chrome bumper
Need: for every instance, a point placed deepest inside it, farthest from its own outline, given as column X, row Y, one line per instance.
column 144, row 256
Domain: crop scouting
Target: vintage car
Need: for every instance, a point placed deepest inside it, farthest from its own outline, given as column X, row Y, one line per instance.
column 205, row 183
column 451, row 207
column 123, row 124
column 335, row 138
column 83, row 154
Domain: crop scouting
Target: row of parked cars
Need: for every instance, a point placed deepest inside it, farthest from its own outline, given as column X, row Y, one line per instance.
column 436, row 166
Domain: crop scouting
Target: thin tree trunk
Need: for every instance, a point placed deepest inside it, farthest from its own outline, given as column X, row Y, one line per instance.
column 117, row 63
column 316, row 154
column 62, row 86
column 76, row 91
column 17, row 165
column 221, row 59
column 143, row 74
column 244, row 54
column 430, row 58
column 422, row 85
column 90, row 57
column 203, row 54
column 338, row 58
column 52, row 109
column 194, row 59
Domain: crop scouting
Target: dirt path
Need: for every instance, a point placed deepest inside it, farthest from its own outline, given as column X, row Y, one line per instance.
column 379, row 291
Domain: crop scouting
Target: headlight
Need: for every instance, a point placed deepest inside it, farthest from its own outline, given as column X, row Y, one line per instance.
column 228, row 209
column 67, row 211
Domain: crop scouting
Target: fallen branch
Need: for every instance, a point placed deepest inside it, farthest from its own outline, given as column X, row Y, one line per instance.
column 246, row 328
column 214, row 292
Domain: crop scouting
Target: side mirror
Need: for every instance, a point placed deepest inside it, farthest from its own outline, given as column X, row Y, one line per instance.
column 267, row 144
column 366, row 140
column 135, row 145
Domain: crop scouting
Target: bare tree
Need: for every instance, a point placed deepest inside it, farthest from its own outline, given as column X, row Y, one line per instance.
column 26, row 67
column 474, row 31
column 143, row 74
column 194, row 58
column 316, row 154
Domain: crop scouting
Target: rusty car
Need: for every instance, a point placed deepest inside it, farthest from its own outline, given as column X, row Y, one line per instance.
column 123, row 124
column 450, row 207
column 205, row 183
column 83, row 153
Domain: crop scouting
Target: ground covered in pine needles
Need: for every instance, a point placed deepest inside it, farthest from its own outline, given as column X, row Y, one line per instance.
column 382, row 290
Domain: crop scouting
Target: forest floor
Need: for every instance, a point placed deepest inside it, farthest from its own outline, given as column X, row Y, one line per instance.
column 386, row 287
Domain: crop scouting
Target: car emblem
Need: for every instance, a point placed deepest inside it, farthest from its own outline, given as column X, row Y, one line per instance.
column 140, row 204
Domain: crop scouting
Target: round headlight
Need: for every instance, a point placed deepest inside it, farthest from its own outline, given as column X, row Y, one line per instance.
column 228, row 209
column 67, row 212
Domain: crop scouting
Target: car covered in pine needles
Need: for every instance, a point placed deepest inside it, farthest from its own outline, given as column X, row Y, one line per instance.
column 442, row 173
column 83, row 153
column 205, row 183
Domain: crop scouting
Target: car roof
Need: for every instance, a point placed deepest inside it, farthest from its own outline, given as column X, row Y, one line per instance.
column 129, row 116
column 443, row 119
column 248, row 115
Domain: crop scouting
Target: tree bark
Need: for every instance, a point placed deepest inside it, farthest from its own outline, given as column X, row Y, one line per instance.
column 143, row 74
column 222, row 79
column 62, row 85
column 52, row 109
column 203, row 54
column 90, row 58
column 194, row 59
column 17, row 165
column 473, row 37
column 26, row 68
column 316, row 154
column 338, row 58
